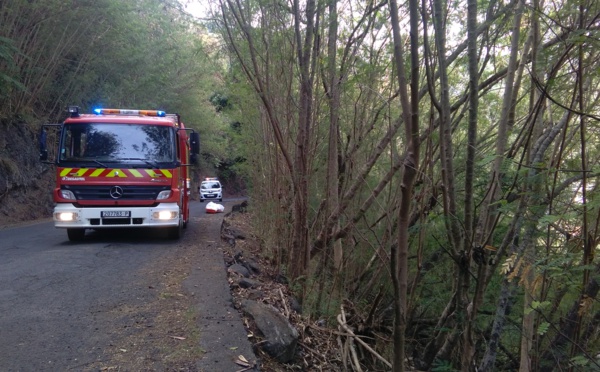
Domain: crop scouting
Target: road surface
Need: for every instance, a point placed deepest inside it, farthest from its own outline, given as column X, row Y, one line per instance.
column 120, row 300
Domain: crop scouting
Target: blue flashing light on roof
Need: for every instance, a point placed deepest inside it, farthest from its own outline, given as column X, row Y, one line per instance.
column 103, row 111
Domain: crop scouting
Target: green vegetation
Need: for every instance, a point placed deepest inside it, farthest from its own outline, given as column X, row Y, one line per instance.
column 492, row 138
column 145, row 54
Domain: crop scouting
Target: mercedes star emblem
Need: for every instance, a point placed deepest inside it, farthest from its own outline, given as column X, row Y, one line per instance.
column 116, row 192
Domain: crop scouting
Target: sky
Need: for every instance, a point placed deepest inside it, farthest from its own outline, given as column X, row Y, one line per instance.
column 197, row 8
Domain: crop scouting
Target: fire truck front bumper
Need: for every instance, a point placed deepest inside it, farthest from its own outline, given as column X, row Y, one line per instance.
column 69, row 216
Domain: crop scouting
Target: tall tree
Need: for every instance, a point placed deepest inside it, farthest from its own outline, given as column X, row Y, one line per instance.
column 410, row 117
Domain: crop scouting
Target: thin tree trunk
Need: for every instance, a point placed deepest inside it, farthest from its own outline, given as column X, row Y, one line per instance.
column 410, row 115
column 488, row 214
column 453, row 229
column 588, row 240
column 470, row 165
column 537, row 106
column 502, row 309
column 299, row 252
column 333, row 152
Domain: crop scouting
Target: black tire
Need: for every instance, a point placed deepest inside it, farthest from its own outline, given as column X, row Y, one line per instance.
column 175, row 232
column 220, row 200
column 76, row 235
column 201, row 200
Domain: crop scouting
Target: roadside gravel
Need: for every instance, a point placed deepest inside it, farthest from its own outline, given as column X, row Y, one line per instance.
column 223, row 337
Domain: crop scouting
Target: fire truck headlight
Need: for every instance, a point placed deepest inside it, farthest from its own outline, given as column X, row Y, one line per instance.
column 66, row 216
column 164, row 195
column 67, row 194
column 164, row 215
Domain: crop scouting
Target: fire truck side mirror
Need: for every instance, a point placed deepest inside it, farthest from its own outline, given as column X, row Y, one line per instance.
column 194, row 147
column 195, row 143
column 42, row 143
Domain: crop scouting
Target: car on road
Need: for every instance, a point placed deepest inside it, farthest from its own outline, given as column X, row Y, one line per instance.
column 211, row 189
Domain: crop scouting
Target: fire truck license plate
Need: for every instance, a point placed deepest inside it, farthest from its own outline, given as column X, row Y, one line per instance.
column 123, row 214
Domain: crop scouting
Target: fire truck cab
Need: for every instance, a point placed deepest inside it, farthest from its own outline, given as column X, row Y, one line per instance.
column 120, row 168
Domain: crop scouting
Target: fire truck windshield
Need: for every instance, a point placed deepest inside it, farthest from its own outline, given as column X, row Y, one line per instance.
column 101, row 143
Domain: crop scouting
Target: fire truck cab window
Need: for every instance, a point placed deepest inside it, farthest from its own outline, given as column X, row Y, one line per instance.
column 117, row 142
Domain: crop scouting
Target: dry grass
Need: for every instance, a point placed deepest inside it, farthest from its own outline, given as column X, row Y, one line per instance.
column 161, row 334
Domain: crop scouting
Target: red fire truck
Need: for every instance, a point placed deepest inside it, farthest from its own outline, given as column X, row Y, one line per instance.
column 120, row 168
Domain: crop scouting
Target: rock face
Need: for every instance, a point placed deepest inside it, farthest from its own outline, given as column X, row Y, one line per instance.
column 25, row 183
column 280, row 337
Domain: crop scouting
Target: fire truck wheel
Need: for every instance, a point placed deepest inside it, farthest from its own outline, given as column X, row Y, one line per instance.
column 175, row 232
column 76, row 235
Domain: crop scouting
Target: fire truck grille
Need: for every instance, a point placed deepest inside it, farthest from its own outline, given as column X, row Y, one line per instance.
column 115, row 192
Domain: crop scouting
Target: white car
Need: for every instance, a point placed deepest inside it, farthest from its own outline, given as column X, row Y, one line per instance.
column 211, row 189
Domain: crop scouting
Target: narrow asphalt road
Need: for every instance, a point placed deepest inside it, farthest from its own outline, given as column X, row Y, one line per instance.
column 120, row 300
